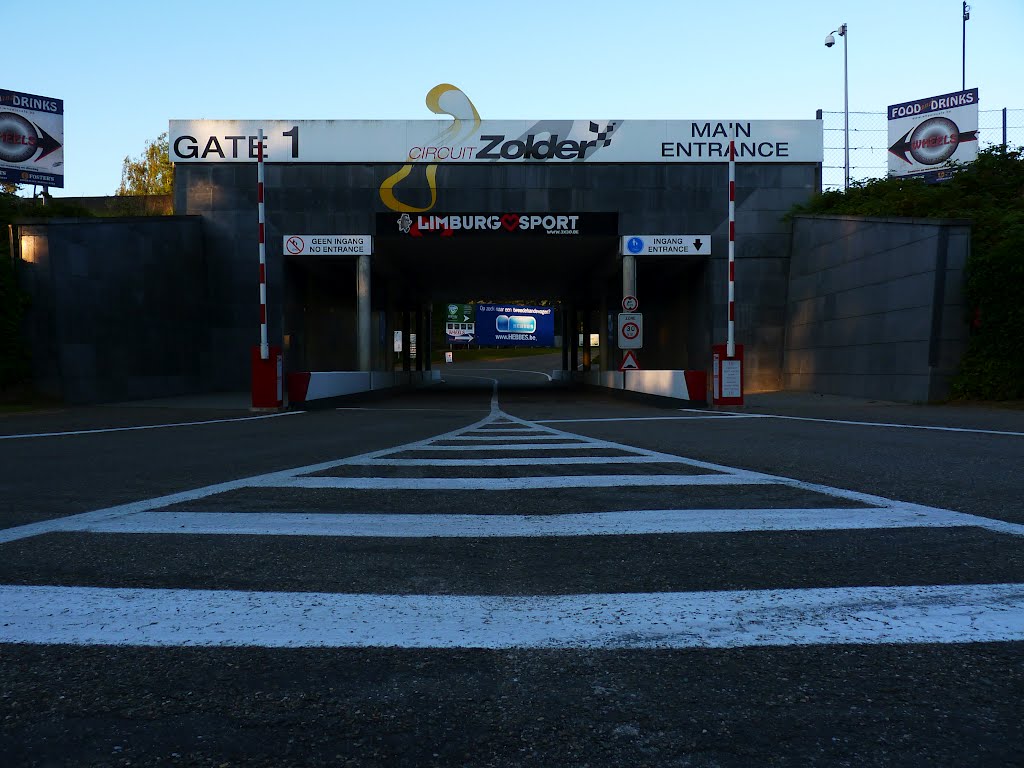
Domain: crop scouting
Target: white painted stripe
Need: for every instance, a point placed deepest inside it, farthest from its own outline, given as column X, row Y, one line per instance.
column 511, row 483
column 876, row 424
column 499, row 447
column 970, row 613
column 444, row 410
column 646, row 418
column 149, row 426
column 629, row 523
column 500, row 370
column 518, row 438
column 517, row 461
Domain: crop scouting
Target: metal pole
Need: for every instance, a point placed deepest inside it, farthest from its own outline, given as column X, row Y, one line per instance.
column 730, row 347
column 1004, row 129
column 963, row 57
column 264, row 346
column 845, row 32
column 363, row 312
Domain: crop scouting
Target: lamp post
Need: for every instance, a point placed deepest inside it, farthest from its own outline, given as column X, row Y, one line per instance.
column 829, row 42
column 963, row 60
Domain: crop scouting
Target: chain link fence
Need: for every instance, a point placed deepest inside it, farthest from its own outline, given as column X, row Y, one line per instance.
column 869, row 134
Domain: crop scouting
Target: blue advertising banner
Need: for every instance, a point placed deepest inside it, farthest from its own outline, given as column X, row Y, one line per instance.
column 503, row 325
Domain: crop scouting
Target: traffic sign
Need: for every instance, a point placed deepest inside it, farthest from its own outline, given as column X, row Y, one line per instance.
column 666, row 245
column 631, row 330
column 629, row 362
column 630, row 304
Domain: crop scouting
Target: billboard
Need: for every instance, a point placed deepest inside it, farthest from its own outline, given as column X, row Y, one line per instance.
column 31, row 139
column 507, row 326
column 927, row 134
column 496, row 141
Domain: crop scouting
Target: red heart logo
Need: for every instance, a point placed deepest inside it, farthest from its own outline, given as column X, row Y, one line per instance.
column 510, row 221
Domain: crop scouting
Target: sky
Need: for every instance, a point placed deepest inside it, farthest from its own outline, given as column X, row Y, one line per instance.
column 124, row 69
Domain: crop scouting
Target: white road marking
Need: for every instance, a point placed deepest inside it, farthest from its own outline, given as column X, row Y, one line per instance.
column 512, row 483
column 444, row 410
column 492, row 370
column 149, row 426
column 645, row 418
column 971, row 613
column 870, row 423
column 629, row 523
column 508, row 462
column 581, row 446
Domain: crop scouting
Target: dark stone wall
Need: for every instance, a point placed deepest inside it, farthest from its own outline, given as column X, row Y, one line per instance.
column 118, row 306
column 682, row 198
column 876, row 306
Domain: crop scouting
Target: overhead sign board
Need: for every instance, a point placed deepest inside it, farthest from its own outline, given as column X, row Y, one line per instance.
column 631, row 330
column 328, row 245
column 510, row 326
column 504, row 225
column 927, row 134
column 31, row 139
column 666, row 245
column 496, row 141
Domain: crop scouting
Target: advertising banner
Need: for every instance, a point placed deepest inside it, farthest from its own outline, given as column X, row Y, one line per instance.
column 31, row 139
column 496, row 141
column 507, row 326
column 502, row 225
column 926, row 134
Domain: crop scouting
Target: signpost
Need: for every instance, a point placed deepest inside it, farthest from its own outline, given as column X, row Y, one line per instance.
column 328, row 245
column 631, row 330
column 666, row 245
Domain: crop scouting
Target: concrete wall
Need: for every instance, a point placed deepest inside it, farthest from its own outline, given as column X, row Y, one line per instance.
column 875, row 306
column 118, row 306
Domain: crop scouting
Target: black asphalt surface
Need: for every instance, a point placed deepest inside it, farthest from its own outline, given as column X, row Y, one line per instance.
column 819, row 705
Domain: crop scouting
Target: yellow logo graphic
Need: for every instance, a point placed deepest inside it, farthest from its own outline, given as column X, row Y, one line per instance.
column 443, row 99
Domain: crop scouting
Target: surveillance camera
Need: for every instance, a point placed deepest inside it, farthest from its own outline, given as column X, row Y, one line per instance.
column 830, row 41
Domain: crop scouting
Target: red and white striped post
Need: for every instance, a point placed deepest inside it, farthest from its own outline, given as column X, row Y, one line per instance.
column 730, row 348
column 264, row 346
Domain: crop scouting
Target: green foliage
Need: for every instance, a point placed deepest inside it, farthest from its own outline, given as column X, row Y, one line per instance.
column 989, row 192
column 14, row 354
column 150, row 174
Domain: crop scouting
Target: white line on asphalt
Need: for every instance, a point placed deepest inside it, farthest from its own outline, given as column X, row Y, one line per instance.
column 512, row 483
column 500, row 370
column 149, row 426
column 871, row 423
column 500, row 447
column 970, row 613
column 444, row 410
column 644, row 418
column 510, row 438
column 517, row 461
column 630, row 523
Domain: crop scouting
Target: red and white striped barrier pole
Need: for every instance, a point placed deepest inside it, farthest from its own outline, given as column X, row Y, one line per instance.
column 264, row 346
column 730, row 347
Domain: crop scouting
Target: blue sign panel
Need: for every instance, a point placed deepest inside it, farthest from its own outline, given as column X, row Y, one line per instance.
column 507, row 326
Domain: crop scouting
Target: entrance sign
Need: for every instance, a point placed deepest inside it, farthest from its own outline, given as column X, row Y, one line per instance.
column 631, row 330
column 459, row 313
column 629, row 362
column 496, row 141
column 328, row 245
column 31, row 139
column 630, row 304
column 926, row 134
column 666, row 245
column 508, row 326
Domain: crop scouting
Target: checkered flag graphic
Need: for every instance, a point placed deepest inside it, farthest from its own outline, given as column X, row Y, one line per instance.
column 603, row 135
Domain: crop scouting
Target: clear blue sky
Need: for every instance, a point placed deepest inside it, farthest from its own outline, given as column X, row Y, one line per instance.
column 124, row 69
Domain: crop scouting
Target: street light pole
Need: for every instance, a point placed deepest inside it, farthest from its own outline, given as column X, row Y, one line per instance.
column 829, row 42
column 963, row 58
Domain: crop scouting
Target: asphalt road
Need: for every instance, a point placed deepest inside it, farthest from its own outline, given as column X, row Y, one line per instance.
column 543, row 577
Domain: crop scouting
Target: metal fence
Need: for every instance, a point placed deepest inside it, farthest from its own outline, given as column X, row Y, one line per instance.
column 869, row 133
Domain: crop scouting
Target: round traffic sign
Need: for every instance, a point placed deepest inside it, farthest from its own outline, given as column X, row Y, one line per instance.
column 295, row 245
column 630, row 330
column 629, row 303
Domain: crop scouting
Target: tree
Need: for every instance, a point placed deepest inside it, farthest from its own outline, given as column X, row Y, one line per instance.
column 150, row 174
column 10, row 188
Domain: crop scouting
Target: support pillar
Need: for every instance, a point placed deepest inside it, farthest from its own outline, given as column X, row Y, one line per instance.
column 628, row 275
column 574, row 344
column 587, row 319
column 603, row 350
column 428, row 333
column 405, row 341
column 565, row 337
column 419, row 338
column 363, row 333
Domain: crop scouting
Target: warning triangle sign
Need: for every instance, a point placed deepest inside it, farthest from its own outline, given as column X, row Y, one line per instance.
column 629, row 362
